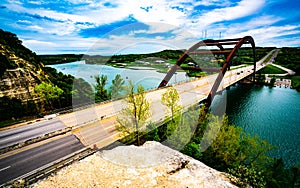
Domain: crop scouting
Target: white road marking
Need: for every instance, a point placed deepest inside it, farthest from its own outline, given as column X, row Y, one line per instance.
column 5, row 168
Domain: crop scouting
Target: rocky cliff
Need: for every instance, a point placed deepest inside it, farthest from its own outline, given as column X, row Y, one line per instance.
column 20, row 69
column 151, row 165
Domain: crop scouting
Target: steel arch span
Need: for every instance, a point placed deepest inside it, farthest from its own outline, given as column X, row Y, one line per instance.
column 229, row 54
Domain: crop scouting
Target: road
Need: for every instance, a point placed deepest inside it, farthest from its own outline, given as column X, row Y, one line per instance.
column 23, row 133
column 100, row 133
column 21, row 163
column 289, row 71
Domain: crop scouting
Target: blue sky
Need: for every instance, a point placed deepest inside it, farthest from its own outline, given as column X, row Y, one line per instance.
column 140, row 26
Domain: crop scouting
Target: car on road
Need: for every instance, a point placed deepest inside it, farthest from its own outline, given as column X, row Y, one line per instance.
column 51, row 116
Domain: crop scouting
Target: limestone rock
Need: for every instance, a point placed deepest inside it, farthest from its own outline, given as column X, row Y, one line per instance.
column 18, row 82
column 150, row 165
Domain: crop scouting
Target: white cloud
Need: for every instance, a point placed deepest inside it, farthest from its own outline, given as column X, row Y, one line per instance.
column 282, row 42
column 121, row 44
column 242, row 9
column 71, row 44
column 36, row 42
column 232, row 29
column 271, row 35
column 24, row 21
column 95, row 13
column 213, row 2
column 47, row 13
column 35, row 28
column 61, row 28
column 36, row 2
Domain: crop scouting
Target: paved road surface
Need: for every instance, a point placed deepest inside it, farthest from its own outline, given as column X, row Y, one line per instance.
column 23, row 133
column 289, row 71
column 21, row 163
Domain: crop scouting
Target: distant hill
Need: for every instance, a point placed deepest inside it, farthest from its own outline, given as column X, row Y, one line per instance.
column 109, row 60
column 60, row 58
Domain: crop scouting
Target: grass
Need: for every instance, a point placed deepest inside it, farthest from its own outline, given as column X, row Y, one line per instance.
column 239, row 66
column 270, row 69
column 295, row 82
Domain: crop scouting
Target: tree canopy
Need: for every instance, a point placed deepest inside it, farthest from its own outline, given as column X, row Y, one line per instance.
column 117, row 87
column 171, row 99
column 101, row 92
column 133, row 118
column 48, row 93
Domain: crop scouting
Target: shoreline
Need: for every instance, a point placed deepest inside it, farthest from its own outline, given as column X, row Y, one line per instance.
column 140, row 68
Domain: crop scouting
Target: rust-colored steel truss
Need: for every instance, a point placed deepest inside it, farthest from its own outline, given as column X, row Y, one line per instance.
column 229, row 54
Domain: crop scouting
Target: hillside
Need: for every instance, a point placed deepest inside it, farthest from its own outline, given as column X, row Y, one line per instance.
column 20, row 68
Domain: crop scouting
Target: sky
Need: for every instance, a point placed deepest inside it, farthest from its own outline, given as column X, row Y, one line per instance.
column 108, row 27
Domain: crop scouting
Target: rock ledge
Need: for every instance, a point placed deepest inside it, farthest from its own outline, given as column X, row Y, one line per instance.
column 150, row 165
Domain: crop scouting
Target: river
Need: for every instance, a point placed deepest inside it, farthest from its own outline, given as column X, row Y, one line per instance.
column 271, row 113
column 150, row 79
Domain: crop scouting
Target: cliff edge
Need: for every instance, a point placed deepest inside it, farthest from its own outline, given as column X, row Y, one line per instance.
column 150, row 165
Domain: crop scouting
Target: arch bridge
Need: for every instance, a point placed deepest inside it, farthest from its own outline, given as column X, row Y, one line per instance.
column 222, row 47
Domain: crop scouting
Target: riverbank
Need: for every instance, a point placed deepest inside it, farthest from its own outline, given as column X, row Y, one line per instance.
column 141, row 68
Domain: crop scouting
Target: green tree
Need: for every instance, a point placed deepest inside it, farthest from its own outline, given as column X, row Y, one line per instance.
column 247, row 175
column 233, row 147
column 260, row 78
column 151, row 133
column 82, row 93
column 179, row 132
column 192, row 149
column 47, row 93
column 134, row 117
column 101, row 93
column 65, row 82
column 236, row 152
column 117, row 87
column 170, row 99
column 10, row 108
column 272, row 82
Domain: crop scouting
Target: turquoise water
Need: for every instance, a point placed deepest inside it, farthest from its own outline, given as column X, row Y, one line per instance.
column 150, row 79
column 272, row 113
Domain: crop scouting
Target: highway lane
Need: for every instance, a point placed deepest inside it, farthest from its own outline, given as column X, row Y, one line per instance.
column 21, row 163
column 97, row 132
column 19, row 134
